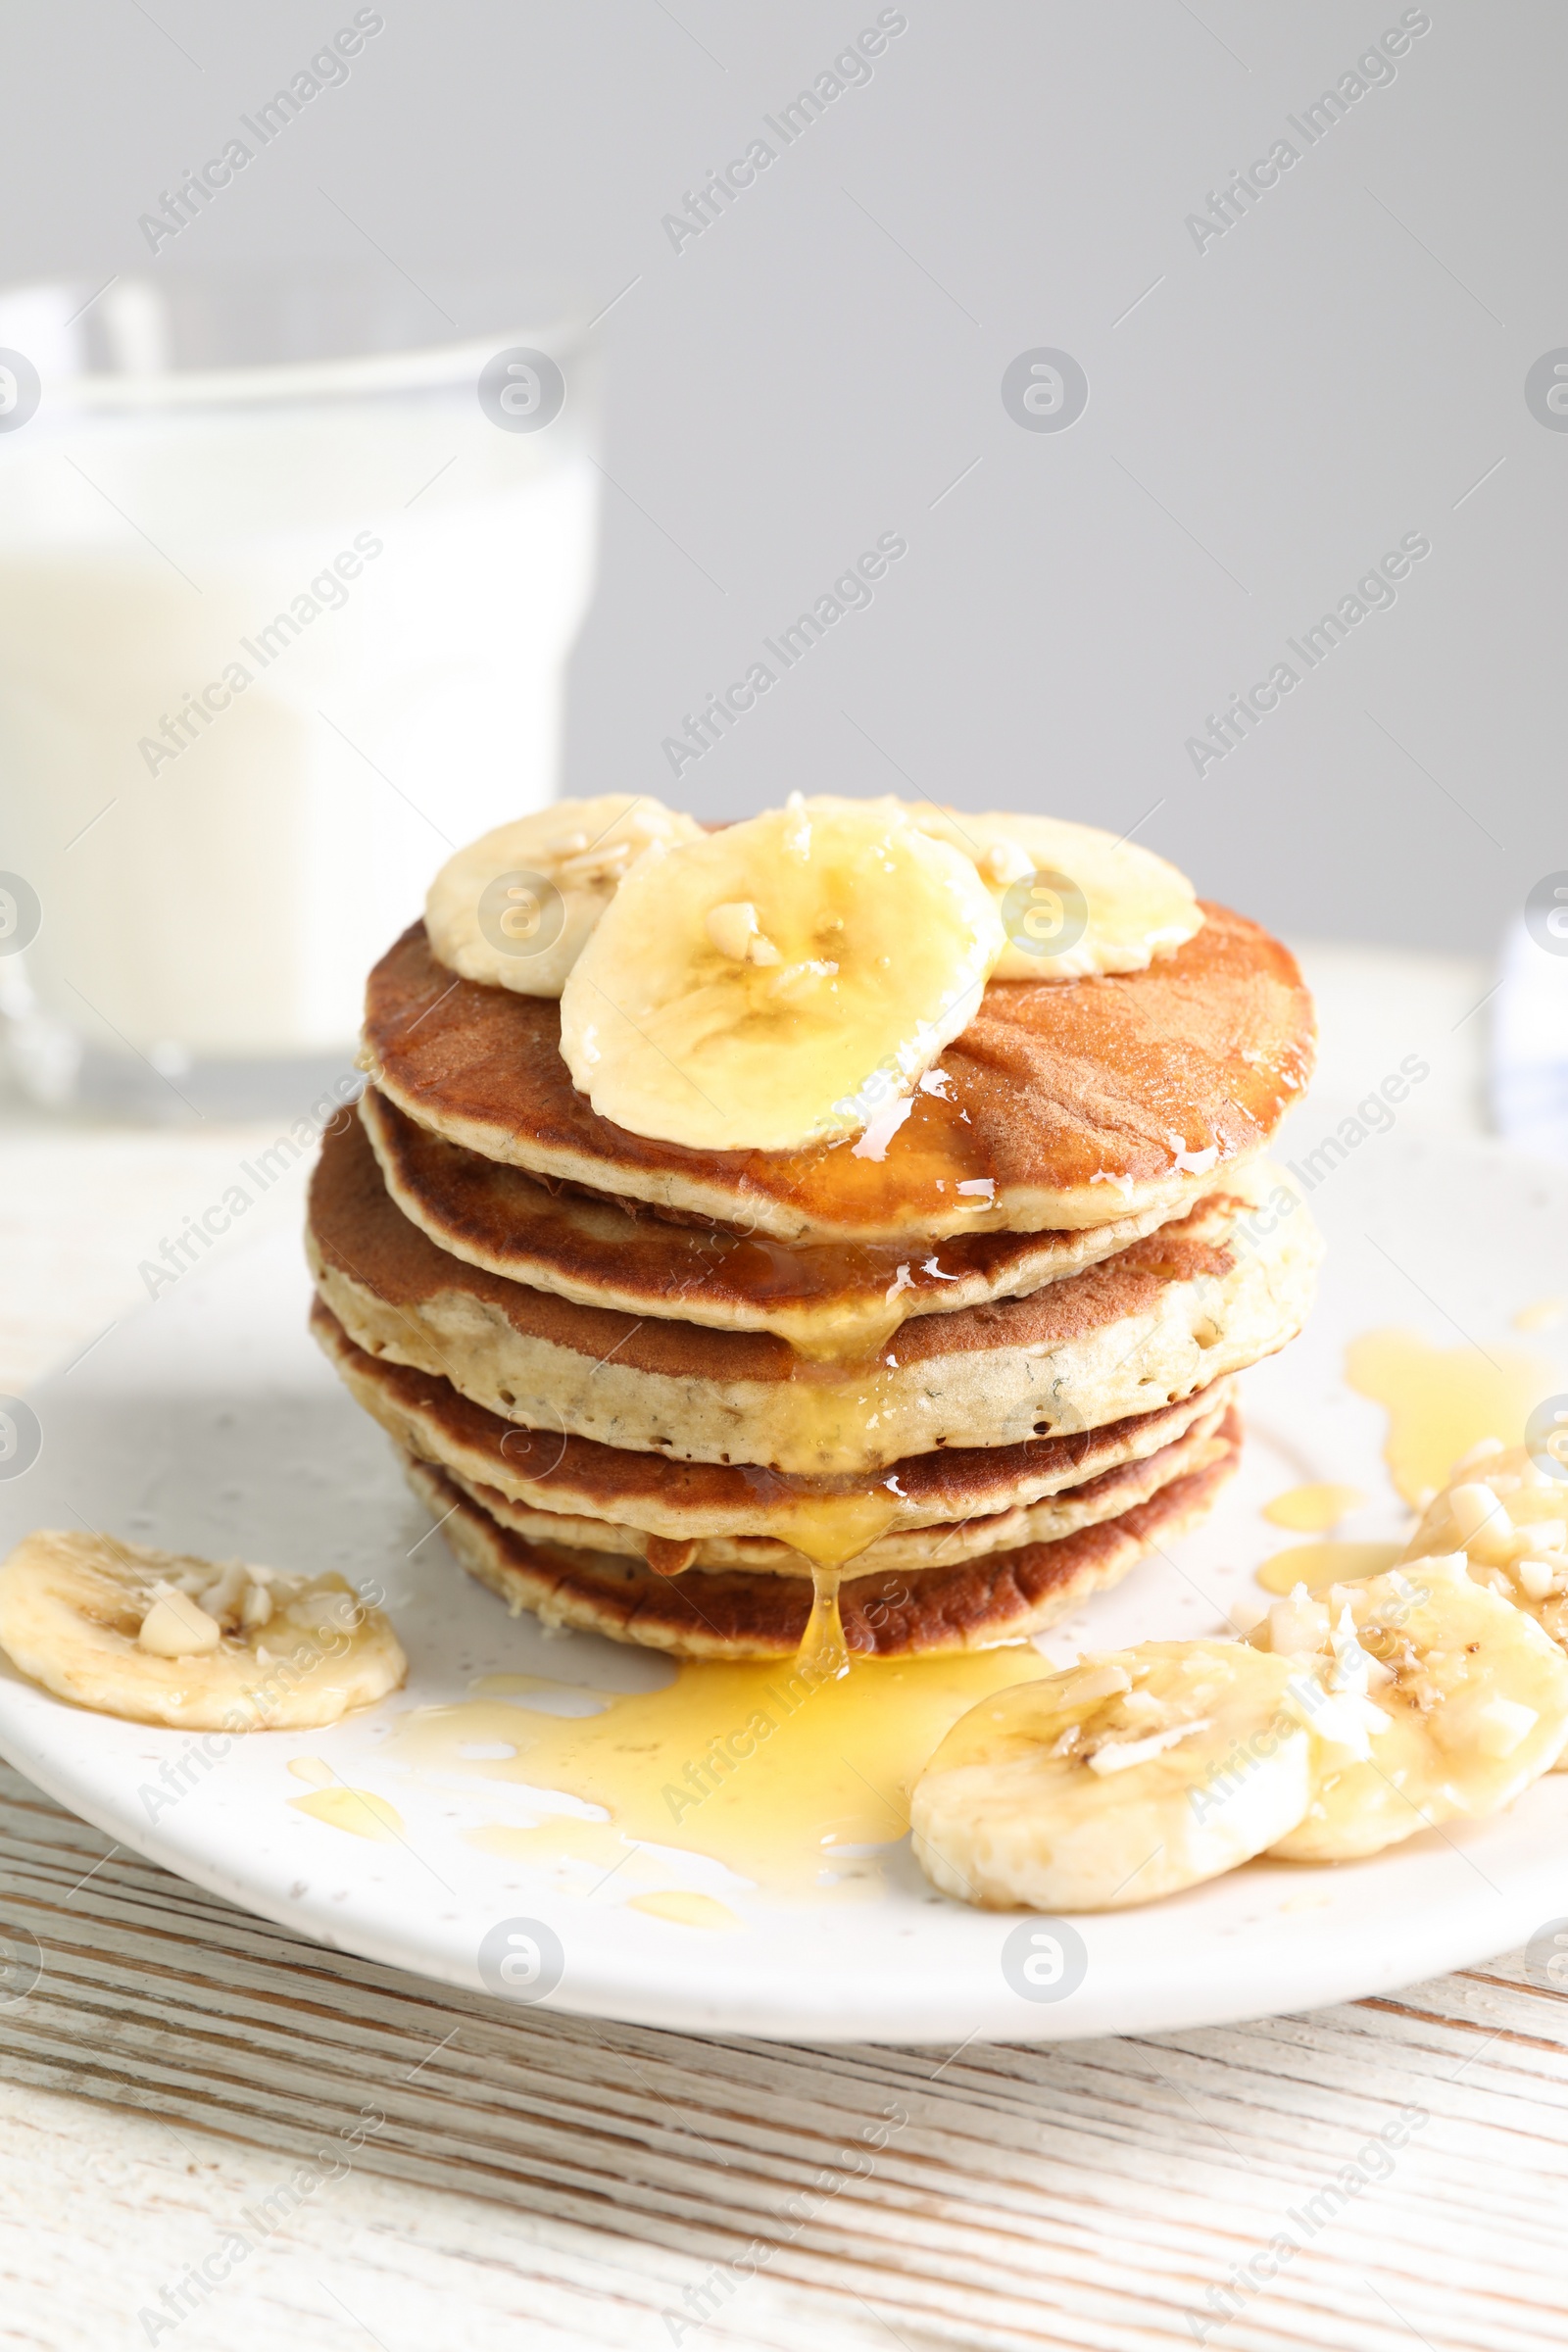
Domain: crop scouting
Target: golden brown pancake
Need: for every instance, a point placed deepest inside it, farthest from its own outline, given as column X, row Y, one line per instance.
column 972, row 1604
column 1170, row 1314
column 679, row 1503
column 922, row 1549
column 825, row 1298
column 1066, row 1103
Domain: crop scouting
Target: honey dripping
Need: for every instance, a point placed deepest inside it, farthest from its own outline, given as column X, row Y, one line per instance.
column 831, row 1521
column 833, row 1301
column 840, row 1386
column 850, row 1300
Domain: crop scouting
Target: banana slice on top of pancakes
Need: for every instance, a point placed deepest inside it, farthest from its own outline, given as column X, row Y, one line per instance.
column 776, row 984
column 1074, row 900
column 516, row 908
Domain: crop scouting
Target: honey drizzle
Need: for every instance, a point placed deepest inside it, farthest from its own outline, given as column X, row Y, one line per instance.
column 936, row 1170
column 831, row 1531
column 830, row 1522
column 868, row 1286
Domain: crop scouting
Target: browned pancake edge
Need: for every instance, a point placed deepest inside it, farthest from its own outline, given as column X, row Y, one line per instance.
column 676, row 1500
column 915, row 1549
column 1067, row 1103
column 357, row 1229
column 627, row 1255
column 975, row 1604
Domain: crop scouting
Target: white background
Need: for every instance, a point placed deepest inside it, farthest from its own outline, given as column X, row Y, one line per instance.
column 821, row 364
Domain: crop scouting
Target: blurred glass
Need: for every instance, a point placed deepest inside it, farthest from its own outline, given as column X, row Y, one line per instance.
column 287, row 589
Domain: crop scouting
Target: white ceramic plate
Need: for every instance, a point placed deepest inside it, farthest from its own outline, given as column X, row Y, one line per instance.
column 209, row 1423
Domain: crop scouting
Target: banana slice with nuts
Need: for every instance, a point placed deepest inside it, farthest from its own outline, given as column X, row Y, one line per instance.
column 777, row 983
column 1509, row 1515
column 162, row 1637
column 515, row 908
column 1126, row 1777
column 1438, row 1698
column 1073, row 900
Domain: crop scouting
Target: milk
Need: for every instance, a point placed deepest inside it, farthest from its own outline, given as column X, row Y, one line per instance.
column 228, row 816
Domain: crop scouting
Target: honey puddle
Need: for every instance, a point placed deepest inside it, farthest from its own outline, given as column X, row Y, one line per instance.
column 686, row 1910
column 1318, row 1565
column 1441, row 1401
column 769, row 1769
column 1313, row 1510
column 360, row 1811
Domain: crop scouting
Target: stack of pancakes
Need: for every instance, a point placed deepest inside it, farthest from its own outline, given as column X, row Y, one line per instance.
column 982, row 1368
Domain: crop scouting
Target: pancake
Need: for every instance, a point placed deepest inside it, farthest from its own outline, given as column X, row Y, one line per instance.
column 679, row 1503
column 1064, row 1104
column 972, row 1604
column 918, row 1550
column 1170, row 1314
column 825, row 1298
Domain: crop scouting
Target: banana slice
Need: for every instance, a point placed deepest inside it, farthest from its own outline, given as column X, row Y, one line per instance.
column 160, row 1637
column 1073, row 900
column 1462, row 1703
column 781, row 983
column 515, row 908
column 1127, row 1777
column 1510, row 1516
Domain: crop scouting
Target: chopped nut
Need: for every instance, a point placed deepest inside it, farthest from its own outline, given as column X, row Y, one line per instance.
column 1007, row 861
column 257, row 1608
column 177, row 1626
column 221, row 1598
column 1501, row 1724
column 1541, row 1534
column 735, row 932
column 1537, row 1577
column 1481, row 1519
column 798, row 979
column 1119, row 1755
column 1297, row 1624
column 1099, row 1677
column 605, row 863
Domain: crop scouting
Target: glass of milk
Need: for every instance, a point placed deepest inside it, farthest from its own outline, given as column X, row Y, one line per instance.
column 287, row 588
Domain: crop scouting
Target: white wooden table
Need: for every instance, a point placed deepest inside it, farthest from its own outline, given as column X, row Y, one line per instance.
column 167, row 2085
